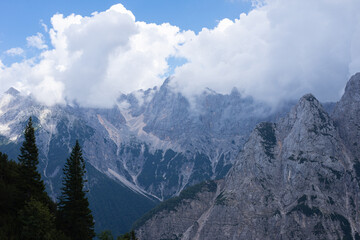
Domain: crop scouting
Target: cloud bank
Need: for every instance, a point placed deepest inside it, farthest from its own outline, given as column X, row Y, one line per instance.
column 280, row 50
column 94, row 58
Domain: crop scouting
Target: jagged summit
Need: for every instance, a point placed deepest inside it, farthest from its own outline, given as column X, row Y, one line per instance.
column 309, row 100
column 307, row 106
column 347, row 114
column 295, row 179
column 12, row 91
column 352, row 89
column 308, row 114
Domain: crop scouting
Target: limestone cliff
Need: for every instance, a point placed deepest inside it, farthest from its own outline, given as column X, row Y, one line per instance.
column 296, row 179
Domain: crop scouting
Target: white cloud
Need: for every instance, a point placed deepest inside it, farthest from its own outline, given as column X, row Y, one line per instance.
column 15, row 51
column 44, row 25
column 96, row 57
column 37, row 41
column 281, row 49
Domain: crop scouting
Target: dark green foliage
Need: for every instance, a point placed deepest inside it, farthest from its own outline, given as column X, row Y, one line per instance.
column 38, row 223
column 107, row 199
column 302, row 199
column 26, row 211
column 357, row 236
column 105, row 235
column 11, row 198
column 32, row 184
column 172, row 203
column 221, row 168
column 220, row 199
column 357, row 168
column 319, row 229
column 344, row 224
column 305, row 209
column 21, row 218
column 128, row 236
column 267, row 132
column 75, row 217
column 331, row 201
column 299, row 158
column 202, row 169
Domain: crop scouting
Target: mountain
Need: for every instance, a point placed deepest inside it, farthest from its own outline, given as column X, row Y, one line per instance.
column 298, row 178
column 148, row 147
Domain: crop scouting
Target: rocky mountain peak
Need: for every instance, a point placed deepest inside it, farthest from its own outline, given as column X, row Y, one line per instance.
column 347, row 114
column 307, row 117
column 308, row 104
column 294, row 179
column 12, row 91
column 352, row 89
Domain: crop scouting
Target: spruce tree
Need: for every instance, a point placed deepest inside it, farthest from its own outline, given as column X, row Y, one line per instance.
column 32, row 184
column 75, row 217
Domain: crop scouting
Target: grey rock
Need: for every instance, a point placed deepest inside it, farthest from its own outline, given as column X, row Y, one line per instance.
column 296, row 179
column 155, row 143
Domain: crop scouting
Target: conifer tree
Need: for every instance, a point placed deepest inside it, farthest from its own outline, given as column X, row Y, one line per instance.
column 75, row 217
column 32, row 184
column 11, row 198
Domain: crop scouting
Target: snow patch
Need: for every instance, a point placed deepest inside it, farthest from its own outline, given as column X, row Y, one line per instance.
column 4, row 129
column 4, row 102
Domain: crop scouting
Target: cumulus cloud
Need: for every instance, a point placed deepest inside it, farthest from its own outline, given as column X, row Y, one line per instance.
column 279, row 50
column 36, row 41
column 94, row 58
column 15, row 51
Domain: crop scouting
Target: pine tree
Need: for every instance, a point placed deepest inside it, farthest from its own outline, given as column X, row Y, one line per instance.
column 128, row 236
column 32, row 185
column 11, row 198
column 75, row 217
column 37, row 221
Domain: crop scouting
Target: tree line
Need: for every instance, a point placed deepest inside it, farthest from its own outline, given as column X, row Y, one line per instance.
column 26, row 210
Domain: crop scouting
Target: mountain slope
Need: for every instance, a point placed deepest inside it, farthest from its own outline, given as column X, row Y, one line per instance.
column 153, row 143
column 296, row 179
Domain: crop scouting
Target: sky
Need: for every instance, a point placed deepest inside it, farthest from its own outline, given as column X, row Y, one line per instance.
column 91, row 51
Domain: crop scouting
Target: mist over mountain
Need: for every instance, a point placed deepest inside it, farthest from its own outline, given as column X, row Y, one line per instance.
column 147, row 148
column 297, row 178
column 259, row 53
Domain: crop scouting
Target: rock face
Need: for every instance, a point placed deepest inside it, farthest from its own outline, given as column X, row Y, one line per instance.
column 347, row 115
column 296, row 179
column 148, row 147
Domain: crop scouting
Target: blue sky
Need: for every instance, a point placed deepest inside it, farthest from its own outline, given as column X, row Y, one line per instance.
column 22, row 18
column 276, row 50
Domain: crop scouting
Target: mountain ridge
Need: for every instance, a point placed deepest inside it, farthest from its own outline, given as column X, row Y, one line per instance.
column 294, row 179
column 152, row 142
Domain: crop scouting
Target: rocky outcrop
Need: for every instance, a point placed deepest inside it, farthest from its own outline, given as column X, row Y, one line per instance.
column 347, row 115
column 296, row 179
column 152, row 143
column 169, row 219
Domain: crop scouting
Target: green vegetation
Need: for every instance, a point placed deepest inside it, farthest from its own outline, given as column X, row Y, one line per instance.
column 75, row 217
column 305, row 209
column 26, row 211
column 344, row 224
column 267, row 132
column 31, row 183
column 299, row 158
column 107, row 235
column 220, row 199
column 319, row 229
column 172, row 203
column 357, row 168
